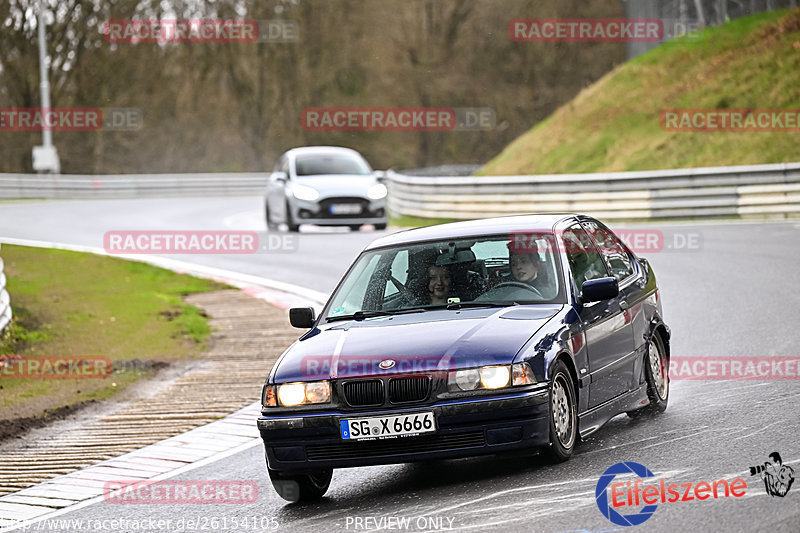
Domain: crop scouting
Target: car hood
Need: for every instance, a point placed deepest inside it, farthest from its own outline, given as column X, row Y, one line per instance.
column 430, row 341
column 338, row 184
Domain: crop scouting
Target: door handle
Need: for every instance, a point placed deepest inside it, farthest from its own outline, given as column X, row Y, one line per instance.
column 624, row 305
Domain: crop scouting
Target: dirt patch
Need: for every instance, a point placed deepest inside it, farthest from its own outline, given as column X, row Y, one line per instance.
column 17, row 427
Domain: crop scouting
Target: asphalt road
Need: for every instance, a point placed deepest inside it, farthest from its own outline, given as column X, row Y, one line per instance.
column 734, row 294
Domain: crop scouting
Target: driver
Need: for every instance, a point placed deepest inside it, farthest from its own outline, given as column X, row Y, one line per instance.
column 524, row 267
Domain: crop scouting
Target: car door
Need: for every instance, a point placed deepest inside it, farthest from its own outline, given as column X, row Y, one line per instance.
column 621, row 263
column 609, row 335
column 276, row 196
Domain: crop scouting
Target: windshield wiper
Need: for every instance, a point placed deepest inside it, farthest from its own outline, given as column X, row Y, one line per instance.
column 360, row 315
column 464, row 305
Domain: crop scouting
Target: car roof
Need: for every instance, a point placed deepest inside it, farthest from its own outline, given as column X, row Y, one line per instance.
column 305, row 150
column 472, row 228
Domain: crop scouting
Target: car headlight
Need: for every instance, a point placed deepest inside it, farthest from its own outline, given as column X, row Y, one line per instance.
column 490, row 377
column 377, row 191
column 304, row 192
column 293, row 394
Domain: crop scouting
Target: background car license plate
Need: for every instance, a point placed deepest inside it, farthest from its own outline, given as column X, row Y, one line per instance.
column 345, row 209
column 387, row 426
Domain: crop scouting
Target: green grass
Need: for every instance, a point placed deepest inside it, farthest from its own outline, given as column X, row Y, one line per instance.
column 68, row 304
column 406, row 221
column 614, row 125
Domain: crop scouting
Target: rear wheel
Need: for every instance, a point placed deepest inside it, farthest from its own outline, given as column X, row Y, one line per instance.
column 563, row 415
column 380, row 227
column 656, row 375
column 355, row 227
column 301, row 487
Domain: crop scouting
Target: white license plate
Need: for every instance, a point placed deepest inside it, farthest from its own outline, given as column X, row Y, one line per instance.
column 345, row 209
column 387, row 426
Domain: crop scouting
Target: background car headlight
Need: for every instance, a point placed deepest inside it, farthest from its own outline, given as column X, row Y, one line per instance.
column 304, row 192
column 292, row 394
column 377, row 191
column 491, row 377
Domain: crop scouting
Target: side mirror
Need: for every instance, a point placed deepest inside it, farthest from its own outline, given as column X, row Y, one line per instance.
column 280, row 176
column 301, row 317
column 599, row 289
column 379, row 175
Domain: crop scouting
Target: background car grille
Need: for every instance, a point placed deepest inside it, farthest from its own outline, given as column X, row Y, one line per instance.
column 347, row 450
column 403, row 390
column 362, row 393
column 325, row 207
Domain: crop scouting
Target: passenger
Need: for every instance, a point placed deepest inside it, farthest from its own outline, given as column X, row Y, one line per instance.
column 439, row 284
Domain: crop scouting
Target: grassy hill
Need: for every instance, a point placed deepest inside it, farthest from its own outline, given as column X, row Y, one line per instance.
column 614, row 124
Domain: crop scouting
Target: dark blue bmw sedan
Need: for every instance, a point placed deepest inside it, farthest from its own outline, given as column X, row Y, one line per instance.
column 480, row 337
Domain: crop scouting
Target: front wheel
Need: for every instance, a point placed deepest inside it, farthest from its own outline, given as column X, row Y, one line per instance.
column 291, row 225
column 563, row 415
column 656, row 374
column 301, row 487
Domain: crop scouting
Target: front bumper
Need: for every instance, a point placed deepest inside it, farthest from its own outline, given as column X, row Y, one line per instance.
column 465, row 427
column 319, row 213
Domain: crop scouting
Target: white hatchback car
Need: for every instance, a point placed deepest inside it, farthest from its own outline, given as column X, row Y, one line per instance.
column 325, row 186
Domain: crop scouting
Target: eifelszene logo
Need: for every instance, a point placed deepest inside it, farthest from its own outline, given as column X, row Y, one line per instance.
column 632, row 494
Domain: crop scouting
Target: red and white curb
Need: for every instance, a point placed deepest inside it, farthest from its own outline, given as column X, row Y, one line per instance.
column 169, row 457
column 162, row 460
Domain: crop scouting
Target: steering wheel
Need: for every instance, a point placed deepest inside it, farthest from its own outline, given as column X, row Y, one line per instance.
column 519, row 285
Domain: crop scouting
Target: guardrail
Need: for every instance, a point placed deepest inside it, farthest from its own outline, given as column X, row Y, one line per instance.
column 5, row 300
column 131, row 185
column 742, row 191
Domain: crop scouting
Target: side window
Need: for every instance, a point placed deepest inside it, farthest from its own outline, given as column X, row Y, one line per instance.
column 399, row 271
column 616, row 256
column 285, row 166
column 584, row 261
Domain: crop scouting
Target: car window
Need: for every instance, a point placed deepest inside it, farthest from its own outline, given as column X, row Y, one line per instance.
column 617, row 258
column 453, row 271
column 399, row 271
column 584, row 260
column 321, row 164
column 353, row 292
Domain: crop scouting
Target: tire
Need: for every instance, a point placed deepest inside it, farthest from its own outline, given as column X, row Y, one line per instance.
column 656, row 373
column 301, row 487
column 380, row 227
column 355, row 227
column 270, row 225
column 290, row 223
column 563, row 415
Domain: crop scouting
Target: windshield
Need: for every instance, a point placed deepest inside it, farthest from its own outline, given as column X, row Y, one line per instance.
column 452, row 273
column 313, row 165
